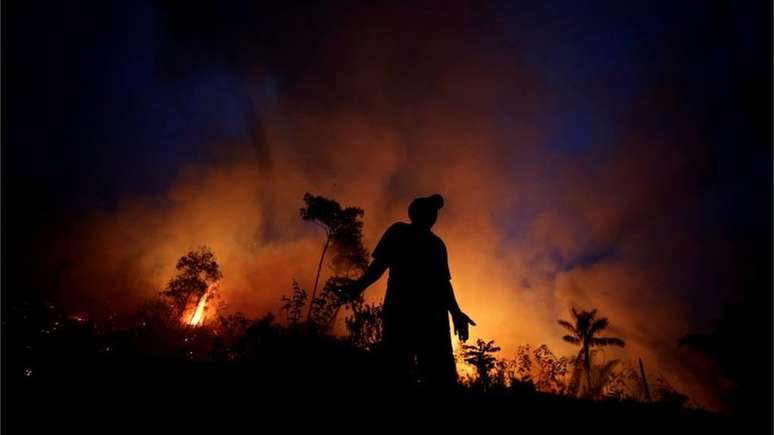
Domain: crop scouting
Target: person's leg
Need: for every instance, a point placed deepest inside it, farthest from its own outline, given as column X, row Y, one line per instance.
column 436, row 358
column 396, row 357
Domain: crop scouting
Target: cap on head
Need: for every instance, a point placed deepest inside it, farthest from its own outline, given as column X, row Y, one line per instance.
column 423, row 211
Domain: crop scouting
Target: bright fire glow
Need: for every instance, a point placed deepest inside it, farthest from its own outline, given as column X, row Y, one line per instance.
column 198, row 315
column 197, row 318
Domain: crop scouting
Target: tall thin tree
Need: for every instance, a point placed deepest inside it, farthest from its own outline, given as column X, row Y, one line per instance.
column 343, row 233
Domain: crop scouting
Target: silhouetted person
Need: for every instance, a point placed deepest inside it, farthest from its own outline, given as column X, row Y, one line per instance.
column 419, row 298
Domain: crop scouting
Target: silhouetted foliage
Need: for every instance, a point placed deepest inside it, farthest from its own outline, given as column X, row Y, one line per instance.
column 625, row 383
column 343, row 234
column 539, row 369
column 504, row 373
column 480, row 356
column 583, row 332
column 365, row 324
column 229, row 330
column 329, row 303
column 157, row 313
column 667, row 395
column 63, row 362
column 523, row 363
column 323, row 309
column 293, row 306
column 196, row 272
column 551, row 371
column 159, row 328
column 325, row 306
column 601, row 375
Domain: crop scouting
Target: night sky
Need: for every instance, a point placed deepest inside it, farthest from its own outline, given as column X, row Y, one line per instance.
column 624, row 146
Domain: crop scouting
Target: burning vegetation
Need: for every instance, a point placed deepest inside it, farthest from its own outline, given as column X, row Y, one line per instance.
column 198, row 316
column 192, row 290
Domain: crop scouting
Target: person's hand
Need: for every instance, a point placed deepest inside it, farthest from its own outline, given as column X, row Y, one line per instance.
column 461, row 322
column 350, row 291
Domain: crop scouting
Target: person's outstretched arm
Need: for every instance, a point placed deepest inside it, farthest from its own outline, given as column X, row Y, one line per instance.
column 372, row 274
column 460, row 319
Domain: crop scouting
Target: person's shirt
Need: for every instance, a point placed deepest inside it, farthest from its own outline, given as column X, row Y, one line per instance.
column 419, row 269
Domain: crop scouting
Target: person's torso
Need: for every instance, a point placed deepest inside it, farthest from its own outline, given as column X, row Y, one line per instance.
column 418, row 273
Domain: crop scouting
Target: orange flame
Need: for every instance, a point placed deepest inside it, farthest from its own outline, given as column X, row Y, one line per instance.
column 197, row 319
column 198, row 315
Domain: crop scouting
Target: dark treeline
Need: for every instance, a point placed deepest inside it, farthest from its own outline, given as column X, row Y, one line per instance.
column 145, row 366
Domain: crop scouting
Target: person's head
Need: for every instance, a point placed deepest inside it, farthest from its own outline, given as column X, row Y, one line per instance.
column 423, row 211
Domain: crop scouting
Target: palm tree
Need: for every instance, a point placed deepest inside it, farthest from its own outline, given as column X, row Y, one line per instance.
column 583, row 333
column 479, row 356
